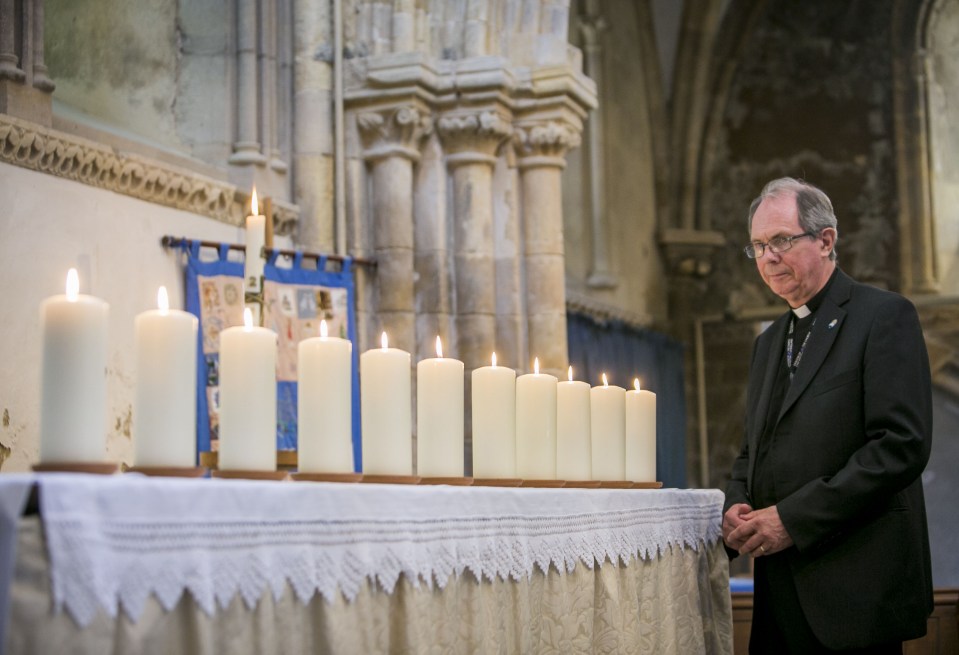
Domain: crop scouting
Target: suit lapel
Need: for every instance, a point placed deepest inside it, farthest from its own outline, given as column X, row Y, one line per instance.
column 829, row 321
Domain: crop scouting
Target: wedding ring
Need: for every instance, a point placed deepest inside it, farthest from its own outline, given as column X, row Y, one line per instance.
column 761, row 549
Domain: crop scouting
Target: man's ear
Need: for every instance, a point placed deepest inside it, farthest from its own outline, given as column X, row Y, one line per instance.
column 828, row 236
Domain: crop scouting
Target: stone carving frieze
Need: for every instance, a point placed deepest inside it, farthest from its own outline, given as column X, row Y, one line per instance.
column 480, row 133
column 393, row 131
column 44, row 150
column 549, row 140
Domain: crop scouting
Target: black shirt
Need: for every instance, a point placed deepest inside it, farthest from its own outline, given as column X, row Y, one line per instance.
column 763, row 492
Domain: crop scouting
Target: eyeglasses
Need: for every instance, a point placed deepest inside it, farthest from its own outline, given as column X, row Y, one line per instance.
column 775, row 245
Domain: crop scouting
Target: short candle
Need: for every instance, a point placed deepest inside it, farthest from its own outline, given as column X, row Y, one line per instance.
column 607, row 427
column 494, row 421
column 387, row 440
column 640, row 434
column 573, row 450
column 164, row 410
column 325, row 404
column 73, row 380
column 536, row 425
column 439, row 416
column 247, row 397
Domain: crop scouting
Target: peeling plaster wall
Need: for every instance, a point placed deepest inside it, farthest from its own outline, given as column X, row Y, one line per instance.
column 811, row 97
column 127, row 85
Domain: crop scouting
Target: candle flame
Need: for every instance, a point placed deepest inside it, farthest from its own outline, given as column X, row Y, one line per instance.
column 605, row 381
column 383, row 342
column 439, row 346
column 323, row 329
column 636, row 383
column 494, row 358
column 569, row 373
column 73, row 285
column 163, row 300
column 536, row 365
column 247, row 318
column 253, row 204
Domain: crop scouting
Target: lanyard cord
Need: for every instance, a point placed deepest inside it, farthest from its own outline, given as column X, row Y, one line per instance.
column 790, row 365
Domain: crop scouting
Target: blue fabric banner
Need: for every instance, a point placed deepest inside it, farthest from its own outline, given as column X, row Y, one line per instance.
column 296, row 298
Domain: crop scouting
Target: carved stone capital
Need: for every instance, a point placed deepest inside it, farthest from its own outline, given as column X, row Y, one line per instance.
column 544, row 143
column 473, row 137
column 394, row 131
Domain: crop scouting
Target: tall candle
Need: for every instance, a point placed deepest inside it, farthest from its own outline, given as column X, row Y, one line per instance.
column 607, row 428
column 386, row 408
column 439, row 416
column 247, row 397
column 255, row 240
column 324, row 404
column 536, row 425
column 640, row 434
column 494, row 421
column 573, row 450
column 164, row 414
column 73, row 388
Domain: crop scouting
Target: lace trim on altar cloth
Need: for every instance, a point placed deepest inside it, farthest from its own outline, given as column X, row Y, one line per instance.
column 115, row 540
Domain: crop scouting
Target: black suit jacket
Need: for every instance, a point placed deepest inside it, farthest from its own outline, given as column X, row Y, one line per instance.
column 850, row 443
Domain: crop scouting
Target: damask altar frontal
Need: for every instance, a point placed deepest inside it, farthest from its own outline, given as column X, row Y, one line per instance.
column 129, row 564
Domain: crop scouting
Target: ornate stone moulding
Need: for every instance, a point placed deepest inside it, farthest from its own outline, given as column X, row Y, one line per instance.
column 46, row 150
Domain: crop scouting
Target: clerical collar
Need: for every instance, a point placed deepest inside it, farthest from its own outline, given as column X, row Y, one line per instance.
column 805, row 310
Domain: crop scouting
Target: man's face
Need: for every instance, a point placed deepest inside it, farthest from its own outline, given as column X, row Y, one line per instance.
column 798, row 273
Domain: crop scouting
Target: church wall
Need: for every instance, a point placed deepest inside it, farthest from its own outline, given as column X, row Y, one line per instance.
column 635, row 281
column 112, row 62
column 810, row 97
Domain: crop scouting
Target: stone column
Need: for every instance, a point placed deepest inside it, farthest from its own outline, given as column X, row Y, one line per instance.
column 542, row 146
column 391, row 139
column 246, row 147
column 471, row 141
column 9, row 58
column 591, row 27
column 24, row 86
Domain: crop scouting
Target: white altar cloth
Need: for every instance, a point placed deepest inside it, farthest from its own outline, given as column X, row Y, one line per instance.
column 113, row 541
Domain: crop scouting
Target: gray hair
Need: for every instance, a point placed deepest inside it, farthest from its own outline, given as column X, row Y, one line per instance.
column 815, row 208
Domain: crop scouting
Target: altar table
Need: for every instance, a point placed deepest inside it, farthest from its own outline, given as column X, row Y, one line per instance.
column 130, row 564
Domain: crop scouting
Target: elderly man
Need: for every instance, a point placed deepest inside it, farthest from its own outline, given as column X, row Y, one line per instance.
column 826, row 494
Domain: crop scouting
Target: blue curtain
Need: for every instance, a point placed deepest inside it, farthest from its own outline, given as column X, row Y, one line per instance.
column 624, row 353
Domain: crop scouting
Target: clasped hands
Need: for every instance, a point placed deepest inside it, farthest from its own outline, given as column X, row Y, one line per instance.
column 755, row 532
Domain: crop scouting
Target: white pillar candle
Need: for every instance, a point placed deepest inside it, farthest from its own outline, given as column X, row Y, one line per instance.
column 385, row 401
column 607, row 431
column 324, row 404
column 255, row 239
column 247, row 397
column 573, row 450
column 640, row 434
column 494, row 421
column 73, row 388
column 164, row 411
column 536, row 425
column 439, row 416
